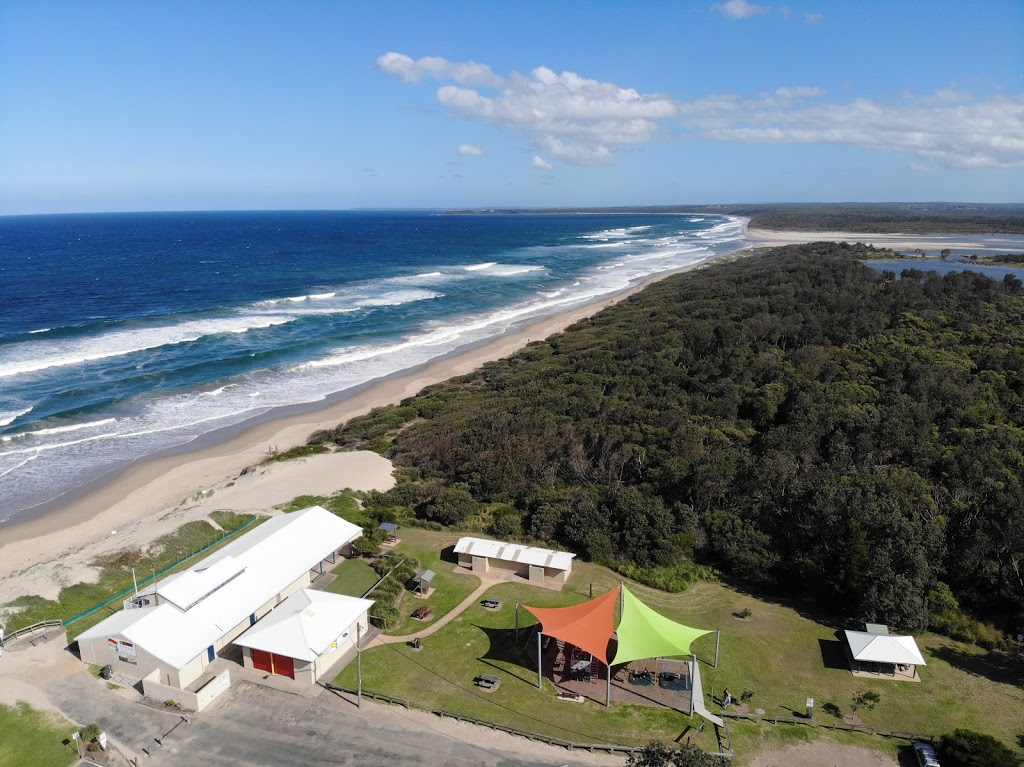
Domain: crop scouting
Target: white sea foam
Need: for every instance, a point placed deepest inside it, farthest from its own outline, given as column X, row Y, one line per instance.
column 33, row 356
column 41, row 330
column 10, row 416
column 37, row 433
column 477, row 267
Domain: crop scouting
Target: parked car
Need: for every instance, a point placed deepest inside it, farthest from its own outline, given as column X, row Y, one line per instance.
column 926, row 756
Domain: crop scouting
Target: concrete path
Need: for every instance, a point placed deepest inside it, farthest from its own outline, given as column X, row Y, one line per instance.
column 454, row 613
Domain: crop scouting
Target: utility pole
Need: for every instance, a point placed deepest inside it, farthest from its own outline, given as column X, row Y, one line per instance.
column 359, row 666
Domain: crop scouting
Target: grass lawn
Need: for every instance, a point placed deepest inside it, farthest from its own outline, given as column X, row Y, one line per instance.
column 33, row 738
column 450, row 587
column 355, row 576
column 780, row 653
column 116, row 575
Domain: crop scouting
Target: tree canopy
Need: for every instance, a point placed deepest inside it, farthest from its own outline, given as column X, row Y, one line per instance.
column 798, row 419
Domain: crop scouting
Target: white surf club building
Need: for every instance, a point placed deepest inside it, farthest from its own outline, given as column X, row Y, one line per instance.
column 251, row 593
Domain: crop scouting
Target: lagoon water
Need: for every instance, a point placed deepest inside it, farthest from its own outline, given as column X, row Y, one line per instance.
column 945, row 267
column 122, row 335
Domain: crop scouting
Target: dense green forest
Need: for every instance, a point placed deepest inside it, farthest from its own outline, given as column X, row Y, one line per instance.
column 888, row 217
column 796, row 419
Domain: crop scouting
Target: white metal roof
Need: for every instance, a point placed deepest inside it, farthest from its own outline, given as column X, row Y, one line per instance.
column 306, row 624
column 271, row 557
column 514, row 552
column 192, row 586
column 884, row 648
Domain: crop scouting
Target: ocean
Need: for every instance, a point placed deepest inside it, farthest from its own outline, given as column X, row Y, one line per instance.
column 125, row 335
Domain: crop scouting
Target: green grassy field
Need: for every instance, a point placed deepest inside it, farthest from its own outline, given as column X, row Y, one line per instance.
column 450, row 587
column 355, row 576
column 780, row 652
column 33, row 738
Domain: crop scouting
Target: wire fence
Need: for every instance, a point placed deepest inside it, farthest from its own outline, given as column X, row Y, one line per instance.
column 146, row 581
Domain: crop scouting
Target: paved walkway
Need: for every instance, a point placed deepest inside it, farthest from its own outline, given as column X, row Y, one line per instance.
column 455, row 612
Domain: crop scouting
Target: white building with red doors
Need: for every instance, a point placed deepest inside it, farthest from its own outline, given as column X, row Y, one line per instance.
column 304, row 635
column 178, row 625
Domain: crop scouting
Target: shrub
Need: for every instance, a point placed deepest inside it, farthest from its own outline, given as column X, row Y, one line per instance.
column 866, row 699
column 966, row 748
column 450, row 506
column 659, row 755
column 746, row 696
column 385, row 613
column 90, row 732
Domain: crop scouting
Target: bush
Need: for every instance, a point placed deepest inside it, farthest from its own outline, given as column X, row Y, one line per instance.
column 659, row 755
column 90, row 732
column 966, row 748
column 385, row 613
column 866, row 699
column 450, row 506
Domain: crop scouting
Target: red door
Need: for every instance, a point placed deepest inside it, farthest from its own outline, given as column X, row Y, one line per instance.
column 284, row 666
column 262, row 661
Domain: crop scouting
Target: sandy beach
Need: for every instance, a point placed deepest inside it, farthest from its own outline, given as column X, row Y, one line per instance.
column 931, row 244
column 154, row 497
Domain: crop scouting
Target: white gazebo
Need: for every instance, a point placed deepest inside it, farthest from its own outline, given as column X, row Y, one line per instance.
column 882, row 655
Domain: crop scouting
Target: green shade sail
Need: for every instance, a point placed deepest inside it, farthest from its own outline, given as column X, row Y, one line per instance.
column 643, row 633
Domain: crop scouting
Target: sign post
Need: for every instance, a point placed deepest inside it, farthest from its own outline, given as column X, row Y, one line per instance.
column 810, row 708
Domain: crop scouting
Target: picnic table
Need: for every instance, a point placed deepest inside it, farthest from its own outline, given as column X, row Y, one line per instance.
column 491, row 604
column 641, row 678
column 670, row 680
column 487, row 681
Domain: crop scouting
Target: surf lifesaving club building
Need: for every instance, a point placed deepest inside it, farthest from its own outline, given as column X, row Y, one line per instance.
column 251, row 593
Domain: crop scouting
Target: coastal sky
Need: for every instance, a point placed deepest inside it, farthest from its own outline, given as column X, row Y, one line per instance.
column 123, row 106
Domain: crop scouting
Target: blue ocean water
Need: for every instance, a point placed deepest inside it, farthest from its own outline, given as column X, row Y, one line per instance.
column 122, row 335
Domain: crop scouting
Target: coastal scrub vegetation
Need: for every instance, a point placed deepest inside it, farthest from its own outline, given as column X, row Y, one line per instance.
column 798, row 421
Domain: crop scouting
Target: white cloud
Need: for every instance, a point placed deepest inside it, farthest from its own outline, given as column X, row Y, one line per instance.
column 585, row 122
column 414, row 70
column 471, row 151
column 814, row 18
column 575, row 119
column 740, row 9
column 540, row 163
column 961, row 134
column 921, row 167
column 799, row 91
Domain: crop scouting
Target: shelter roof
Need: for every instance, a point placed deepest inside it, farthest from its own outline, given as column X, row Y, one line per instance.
column 643, row 633
column 588, row 626
column 514, row 552
column 306, row 624
column 267, row 560
column 387, row 527
column 884, row 648
column 426, row 576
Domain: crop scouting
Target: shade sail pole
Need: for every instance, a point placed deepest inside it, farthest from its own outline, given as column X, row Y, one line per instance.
column 718, row 637
column 517, row 625
column 608, row 686
column 359, row 667
column 539, row 658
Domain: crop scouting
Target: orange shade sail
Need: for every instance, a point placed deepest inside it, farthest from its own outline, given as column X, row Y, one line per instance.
column 588, row 626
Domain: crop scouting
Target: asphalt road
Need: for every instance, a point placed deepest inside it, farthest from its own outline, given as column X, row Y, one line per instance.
column 251, row 726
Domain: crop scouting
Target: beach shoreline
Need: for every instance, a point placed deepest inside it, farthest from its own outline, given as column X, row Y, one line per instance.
column 981, row 243
column 161, row 486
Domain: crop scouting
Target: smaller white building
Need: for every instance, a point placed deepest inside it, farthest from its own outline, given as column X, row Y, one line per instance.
column 304, row 635
column 883, row 654
column 541, row 566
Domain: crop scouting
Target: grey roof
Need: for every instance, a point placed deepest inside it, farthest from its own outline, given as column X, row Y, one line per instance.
column 426, row 576
column 388, row 527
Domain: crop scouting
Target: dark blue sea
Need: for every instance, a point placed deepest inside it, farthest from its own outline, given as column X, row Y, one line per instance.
column 122, row 335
